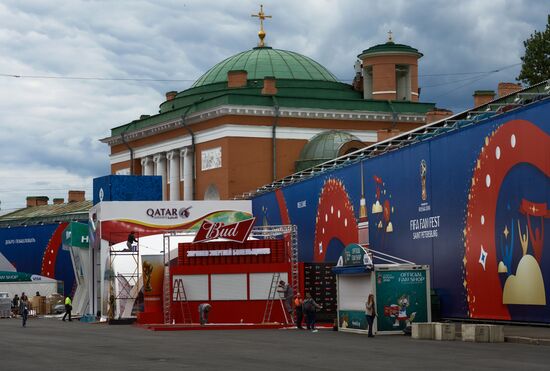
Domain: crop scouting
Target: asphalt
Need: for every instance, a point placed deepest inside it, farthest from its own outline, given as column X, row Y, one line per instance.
column 49, row 344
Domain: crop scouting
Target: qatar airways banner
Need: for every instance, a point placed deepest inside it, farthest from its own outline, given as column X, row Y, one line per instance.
column 119, row 218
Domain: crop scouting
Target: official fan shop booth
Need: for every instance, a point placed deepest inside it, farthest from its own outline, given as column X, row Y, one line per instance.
column 187, row 253
column 401, row 292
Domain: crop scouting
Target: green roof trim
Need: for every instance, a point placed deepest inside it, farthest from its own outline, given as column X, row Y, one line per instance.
column 390, row 47
column 295, row 98
column 265, row 61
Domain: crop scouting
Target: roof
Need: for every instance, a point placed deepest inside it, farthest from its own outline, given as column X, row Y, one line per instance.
column 47, row 214
column 323, row 147
column 390, row 48
column 262, row 62
column 301, row 83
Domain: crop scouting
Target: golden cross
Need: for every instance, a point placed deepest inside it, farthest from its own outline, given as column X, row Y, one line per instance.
column 390, row 36
column 261, row 33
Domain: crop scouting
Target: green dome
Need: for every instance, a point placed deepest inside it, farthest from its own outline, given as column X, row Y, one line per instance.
column 390, row 48
column 265, row 61
column 326, row 146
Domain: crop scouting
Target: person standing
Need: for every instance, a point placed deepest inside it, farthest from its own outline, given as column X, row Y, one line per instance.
column 370, row 312
column 15, row 305
column 24, row 308
column 68, row 308
column 298, row 302
column 204, row 309
column 286, row 294
column 309, row 308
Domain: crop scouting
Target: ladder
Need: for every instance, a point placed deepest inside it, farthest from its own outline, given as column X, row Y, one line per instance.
column 181, row 296
column 273, row 293
column 166, row 297
column 271, row 297
column 294, row 267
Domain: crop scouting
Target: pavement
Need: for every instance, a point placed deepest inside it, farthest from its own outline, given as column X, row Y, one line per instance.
column 536, row 335
column 55, row 345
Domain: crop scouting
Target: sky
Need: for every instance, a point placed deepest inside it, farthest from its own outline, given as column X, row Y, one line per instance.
column 72, row 70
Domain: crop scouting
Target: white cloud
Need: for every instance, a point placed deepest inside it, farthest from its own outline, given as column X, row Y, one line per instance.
column 50, row 127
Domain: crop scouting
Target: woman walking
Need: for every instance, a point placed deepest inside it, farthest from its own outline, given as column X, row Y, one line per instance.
column 370, row 313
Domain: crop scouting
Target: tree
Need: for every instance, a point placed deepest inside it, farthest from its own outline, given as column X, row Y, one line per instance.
column 536, row 61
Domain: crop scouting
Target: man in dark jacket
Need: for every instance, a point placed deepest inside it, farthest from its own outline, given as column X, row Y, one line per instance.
column 309, row 310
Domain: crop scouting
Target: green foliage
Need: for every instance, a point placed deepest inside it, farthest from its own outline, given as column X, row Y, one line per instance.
column 536, row 61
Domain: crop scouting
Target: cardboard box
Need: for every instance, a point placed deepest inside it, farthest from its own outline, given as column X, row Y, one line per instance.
column 38, row 304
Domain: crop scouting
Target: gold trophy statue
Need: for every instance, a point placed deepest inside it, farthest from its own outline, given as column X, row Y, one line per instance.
column 147, row 271
column 423, row 173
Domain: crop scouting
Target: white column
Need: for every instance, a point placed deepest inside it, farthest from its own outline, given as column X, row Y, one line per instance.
column 187, row 154
column 174, row 163
column 160, row 170
column 146, row 166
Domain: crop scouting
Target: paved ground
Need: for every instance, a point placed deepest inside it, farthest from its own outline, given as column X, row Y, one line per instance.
column 49, row 344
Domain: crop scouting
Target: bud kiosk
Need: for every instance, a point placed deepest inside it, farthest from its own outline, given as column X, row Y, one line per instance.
column 401, row 292
column 186, row 253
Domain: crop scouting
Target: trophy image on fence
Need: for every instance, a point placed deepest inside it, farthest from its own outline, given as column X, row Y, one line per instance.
column 147, row 271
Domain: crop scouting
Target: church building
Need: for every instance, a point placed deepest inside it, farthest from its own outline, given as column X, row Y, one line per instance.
column 265, row 113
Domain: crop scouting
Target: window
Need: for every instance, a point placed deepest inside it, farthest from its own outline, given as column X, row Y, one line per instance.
column 403, row 82
column 228, row 286
column 212, row 193
column 260, row 284
column 196, row 287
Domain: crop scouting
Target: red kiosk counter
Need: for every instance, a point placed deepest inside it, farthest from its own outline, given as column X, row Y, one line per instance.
column 234, row 278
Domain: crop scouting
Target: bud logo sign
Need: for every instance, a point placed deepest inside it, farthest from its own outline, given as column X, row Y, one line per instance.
column 237, row 232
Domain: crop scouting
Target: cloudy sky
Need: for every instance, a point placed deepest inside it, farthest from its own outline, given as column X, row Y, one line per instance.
column 87, row 66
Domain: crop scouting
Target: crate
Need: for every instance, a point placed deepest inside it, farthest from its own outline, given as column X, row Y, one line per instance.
column 444, row 331
column 38, row 304
column 475, row 333
column 496, row 333
column 423, row 331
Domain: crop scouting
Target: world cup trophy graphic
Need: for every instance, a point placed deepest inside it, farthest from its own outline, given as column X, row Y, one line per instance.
column 147, row 271
column 423, row 172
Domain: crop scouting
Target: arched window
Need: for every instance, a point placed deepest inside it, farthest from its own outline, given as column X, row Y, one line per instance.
column 212, row 193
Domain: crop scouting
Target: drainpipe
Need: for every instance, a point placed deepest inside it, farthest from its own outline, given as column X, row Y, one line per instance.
column 192, row 134
column 274, row 135
column 129, row 148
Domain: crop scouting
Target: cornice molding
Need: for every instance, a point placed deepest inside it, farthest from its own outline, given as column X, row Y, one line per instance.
column 229, row 110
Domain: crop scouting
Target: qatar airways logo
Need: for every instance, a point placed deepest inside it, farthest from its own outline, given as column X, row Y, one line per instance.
column 168, row 213
column 237, row 232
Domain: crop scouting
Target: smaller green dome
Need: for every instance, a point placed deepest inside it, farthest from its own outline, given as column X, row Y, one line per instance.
column 390, row 48
column 326, row 146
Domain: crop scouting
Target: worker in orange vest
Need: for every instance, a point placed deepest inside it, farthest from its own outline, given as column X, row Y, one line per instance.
column 298, row 301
